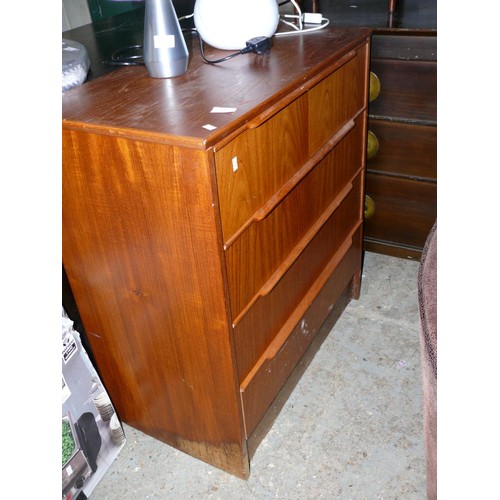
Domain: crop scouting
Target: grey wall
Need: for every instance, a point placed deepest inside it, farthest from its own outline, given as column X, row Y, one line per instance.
column 75, row 13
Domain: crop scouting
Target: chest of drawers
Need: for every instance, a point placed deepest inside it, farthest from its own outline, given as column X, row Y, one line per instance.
column 210, row 254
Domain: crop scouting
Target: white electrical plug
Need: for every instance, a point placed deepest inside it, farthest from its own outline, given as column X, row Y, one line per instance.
column 312, row 18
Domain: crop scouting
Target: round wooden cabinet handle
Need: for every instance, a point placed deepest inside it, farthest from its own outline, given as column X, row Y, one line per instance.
column 369, row 207
column 372, row 145
column 374, row 87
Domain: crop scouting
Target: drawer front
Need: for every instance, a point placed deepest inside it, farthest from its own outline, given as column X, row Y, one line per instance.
column 336, row 100
column 404, row 149
column 405, row 210
column 266, row 318
column 404, row 46
column 264, row 383
column 408, row 90
column 267, row 247
column 266, row 160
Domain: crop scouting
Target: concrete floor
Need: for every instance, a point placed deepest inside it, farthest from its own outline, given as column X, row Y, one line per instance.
column 352, row 428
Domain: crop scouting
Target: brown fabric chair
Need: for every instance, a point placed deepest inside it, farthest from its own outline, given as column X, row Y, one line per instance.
column 427, row 297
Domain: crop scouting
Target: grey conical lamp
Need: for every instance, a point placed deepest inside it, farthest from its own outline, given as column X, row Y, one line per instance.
column 165, row 51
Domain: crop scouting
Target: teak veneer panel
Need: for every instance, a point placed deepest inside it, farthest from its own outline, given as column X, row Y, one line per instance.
column 131, row 245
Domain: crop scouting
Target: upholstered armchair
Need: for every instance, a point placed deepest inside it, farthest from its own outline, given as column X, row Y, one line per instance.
column 427, row 296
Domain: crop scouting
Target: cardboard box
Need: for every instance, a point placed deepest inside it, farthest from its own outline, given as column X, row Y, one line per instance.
column 92, row 435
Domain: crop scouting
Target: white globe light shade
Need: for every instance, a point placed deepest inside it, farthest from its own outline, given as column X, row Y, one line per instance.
column 228, row 24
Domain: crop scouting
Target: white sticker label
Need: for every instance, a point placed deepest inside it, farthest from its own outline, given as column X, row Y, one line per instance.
column 235, row 163
column 164, row 41
column 220, row 109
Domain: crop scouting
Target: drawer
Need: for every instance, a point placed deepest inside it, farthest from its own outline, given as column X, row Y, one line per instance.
column 398, row 45
column 404, row 149
column 262, row 253
column 266, row 160
column 405, row 210
column 274, row 367
column 408, row 90
column 265, row 319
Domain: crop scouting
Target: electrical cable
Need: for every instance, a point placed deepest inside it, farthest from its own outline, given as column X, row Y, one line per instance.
column 259, row 45
column 300, row 16
column 119, row 57
column 189, row 16
column 324, row 24
column 292, row 25
column 299, row 11
column 216, row 61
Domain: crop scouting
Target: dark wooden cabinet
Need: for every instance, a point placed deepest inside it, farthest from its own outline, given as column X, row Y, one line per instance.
column 210, row 254
column 402, row 169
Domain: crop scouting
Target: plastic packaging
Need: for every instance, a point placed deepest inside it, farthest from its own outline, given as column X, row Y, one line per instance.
column 75, row 64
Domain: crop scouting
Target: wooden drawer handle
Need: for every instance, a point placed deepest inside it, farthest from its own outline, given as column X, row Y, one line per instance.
column 372, row 145
column 369, row 207
column 374, row 86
